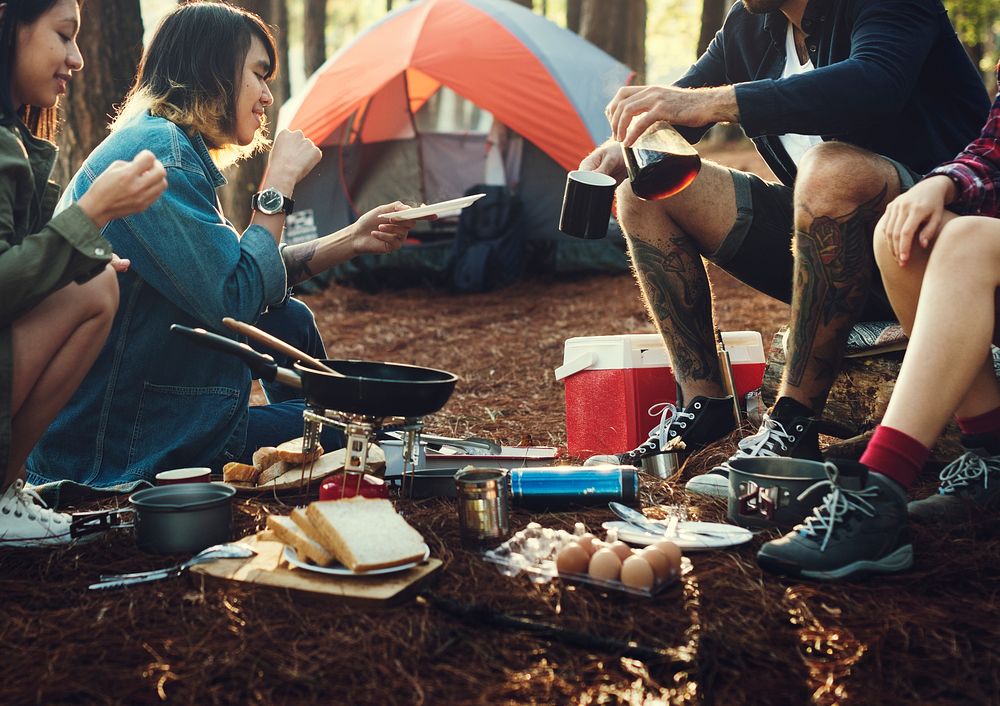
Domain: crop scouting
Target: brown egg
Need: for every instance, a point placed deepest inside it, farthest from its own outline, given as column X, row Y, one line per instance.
column 605, row 565
column 659, row 562
column 623, row 550
column 673, row 554
column 638, row 573
column 573, row 559
column 587, row 542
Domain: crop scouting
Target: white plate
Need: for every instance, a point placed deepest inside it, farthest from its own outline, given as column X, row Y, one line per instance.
column 434, row 209
column 691, row 536
column 341, row 570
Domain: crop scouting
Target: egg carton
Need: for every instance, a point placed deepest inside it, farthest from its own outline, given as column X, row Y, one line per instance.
column 533, row 550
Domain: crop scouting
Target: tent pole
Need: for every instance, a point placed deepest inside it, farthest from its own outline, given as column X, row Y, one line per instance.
column 416, row 138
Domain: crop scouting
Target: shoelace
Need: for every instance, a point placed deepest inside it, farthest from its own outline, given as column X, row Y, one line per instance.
column 24, row 501
column 968, row 467
column 771, row 433
column 658, row 434
column 837, row 503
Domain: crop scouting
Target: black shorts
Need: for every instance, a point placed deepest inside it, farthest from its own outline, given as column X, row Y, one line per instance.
column 758, row 248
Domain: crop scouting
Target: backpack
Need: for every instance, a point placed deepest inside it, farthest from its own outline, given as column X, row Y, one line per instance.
column 489, row 251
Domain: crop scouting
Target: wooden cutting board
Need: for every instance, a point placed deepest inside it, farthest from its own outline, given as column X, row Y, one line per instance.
column 297, row 478
column 267, row 570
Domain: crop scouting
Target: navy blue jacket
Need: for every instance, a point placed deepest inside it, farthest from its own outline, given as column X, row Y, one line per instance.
column 891, row 76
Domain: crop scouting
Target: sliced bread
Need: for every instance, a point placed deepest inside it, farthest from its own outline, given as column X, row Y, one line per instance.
column 290, row 452
column 365, row 533
column 276, row 470
column 289, row 533
column 300, row 518
column 239, row 472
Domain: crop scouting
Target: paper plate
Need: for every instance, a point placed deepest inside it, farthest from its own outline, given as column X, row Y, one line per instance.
column 691, row 536
column 341, row 570
column 434, row 209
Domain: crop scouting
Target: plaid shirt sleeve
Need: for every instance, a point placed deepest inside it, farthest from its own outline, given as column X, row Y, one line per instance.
column 976, row 170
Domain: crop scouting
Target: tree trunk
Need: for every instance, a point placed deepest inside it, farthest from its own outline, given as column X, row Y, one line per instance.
column 573, row 12
column 857, row 400
column 109, row 69
column 619, row 28
column 281, row 86
column 314, row 35
column 713, row 12
column 244, row 178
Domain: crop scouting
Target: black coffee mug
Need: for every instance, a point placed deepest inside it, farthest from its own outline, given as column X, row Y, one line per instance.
column 586, row 207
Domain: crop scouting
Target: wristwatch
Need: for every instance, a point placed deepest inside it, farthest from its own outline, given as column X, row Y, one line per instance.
column 271, row 202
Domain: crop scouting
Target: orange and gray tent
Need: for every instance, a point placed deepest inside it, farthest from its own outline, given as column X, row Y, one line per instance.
column 406, row 110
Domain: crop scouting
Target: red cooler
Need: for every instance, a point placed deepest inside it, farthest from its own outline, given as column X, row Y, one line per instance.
column 613, row 381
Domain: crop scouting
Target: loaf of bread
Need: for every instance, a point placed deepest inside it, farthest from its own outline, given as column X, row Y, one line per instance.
column 240, row 472
column 290, row 452
column 288, row 532
column 365, row 533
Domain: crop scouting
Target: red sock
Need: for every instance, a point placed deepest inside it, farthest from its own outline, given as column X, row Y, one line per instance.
column 986, row 423
column 895, row 455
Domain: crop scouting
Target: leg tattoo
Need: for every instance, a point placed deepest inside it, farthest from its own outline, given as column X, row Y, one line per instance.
column 833, row 272
column 679, row 298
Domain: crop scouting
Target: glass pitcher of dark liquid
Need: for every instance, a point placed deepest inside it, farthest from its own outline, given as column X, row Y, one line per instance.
column 660, row 162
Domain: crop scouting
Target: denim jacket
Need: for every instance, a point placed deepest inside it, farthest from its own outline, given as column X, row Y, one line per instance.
column 154, row 400
column 890, row 77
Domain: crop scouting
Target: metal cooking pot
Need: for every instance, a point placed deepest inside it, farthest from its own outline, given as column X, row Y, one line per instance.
column 183, row 518
column 767, row 491
column 369, row 388
column 170, row 519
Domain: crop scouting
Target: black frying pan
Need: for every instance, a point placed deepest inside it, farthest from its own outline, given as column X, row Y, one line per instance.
column 356, row 387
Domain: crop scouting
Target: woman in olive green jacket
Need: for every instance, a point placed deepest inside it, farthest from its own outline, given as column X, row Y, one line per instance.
column 58, row 289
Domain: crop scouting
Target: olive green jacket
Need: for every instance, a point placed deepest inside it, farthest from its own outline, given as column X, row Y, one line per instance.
column 37, row 255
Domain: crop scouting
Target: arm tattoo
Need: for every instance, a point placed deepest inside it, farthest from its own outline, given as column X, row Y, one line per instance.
column 677, row 293
column 833, row 273
column 297, row 259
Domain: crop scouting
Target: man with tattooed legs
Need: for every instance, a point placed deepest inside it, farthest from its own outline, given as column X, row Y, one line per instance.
column 848, row 101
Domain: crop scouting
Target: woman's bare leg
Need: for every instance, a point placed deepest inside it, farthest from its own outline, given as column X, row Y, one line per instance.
column 55, row 344
column 947, row 302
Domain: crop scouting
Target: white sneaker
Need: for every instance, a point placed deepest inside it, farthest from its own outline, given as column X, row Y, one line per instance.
column 25, row 521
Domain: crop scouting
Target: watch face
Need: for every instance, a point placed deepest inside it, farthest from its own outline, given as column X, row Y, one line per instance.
column 270, row 201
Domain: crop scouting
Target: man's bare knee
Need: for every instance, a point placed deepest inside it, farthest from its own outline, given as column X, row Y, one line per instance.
column 835, row 177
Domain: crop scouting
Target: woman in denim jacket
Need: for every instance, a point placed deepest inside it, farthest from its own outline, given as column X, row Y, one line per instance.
column 58, row 292
column 153, row 400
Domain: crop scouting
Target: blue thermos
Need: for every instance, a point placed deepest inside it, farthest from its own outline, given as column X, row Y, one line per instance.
column 560, row 486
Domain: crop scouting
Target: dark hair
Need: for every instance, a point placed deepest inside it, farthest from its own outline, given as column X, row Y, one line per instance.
column 189, row 73
column 40, row 121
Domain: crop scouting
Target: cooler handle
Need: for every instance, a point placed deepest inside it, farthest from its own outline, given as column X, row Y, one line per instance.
column 581, row 362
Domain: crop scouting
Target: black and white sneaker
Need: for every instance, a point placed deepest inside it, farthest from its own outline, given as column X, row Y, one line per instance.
column 970, row 483
column 860, row 527
column 796, row 438
column 685, row 430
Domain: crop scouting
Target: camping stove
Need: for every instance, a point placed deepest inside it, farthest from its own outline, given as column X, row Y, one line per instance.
column 360, row 430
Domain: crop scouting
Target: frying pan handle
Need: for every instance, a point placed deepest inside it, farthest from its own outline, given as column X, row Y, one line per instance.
column 262, row 366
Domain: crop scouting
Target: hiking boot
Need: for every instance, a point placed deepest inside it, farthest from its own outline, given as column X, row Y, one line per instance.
column 860, row 527
column 971, row 482
column 796, row 438
column 25, row 521
column 685, row 430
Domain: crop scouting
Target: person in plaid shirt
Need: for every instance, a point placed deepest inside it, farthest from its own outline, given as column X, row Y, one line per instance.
column 938, row 249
